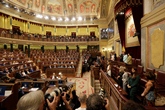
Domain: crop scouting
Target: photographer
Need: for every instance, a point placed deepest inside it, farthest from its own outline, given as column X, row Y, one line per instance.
column 74, row 102
column 35, row 101
column 57, row 99
column 96, row 102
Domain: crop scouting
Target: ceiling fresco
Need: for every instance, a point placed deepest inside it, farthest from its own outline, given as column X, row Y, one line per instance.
column 97, row 8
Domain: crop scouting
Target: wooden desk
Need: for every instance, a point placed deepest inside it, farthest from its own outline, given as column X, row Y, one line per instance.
column 64, row 71
column 10, row 102
column 2, row 98
column 57, row 82
column 41, row 84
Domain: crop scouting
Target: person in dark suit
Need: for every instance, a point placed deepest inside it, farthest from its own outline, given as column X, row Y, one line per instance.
column 31, row 70
column 74, row 102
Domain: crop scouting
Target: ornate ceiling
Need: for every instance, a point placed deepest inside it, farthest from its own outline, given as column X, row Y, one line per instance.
column 87, row 9
column 92, row 8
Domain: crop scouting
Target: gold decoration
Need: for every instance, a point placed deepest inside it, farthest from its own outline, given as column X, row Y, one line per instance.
column 157, row 45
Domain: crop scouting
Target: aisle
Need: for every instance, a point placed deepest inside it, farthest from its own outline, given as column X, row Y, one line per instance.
column 79, row 68
column 83, row 84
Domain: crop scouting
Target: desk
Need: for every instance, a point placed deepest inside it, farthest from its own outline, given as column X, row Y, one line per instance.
column 10, row 102
column 2, row 98
column 64, row 71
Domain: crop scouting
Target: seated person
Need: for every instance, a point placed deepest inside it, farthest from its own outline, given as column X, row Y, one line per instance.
column 6, row 71
column 54, row 76
column 50, row 66
column 149, row 88
column 19, row 75
column 31, row 70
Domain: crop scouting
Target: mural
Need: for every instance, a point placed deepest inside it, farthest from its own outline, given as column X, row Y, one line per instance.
column 54, row 6
column 37, row 3
column 65, row 7
column 87, row 7
column 30, row 4
column 43, row 6
column 131, row 39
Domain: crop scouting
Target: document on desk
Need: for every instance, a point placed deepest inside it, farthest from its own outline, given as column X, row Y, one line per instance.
column 7, row 92
column 33, row 89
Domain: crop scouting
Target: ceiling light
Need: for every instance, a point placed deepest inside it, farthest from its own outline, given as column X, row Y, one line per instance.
column 66, row 19
column 39, row 16
column 53, row 18
column 59, row 19
column 46, row 17
column 79, row 18
column 73, row 19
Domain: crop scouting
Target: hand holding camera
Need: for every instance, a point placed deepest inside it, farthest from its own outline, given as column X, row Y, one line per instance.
column 52, row 105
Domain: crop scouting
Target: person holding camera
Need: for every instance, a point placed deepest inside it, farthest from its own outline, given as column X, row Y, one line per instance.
column 35, row 101
column 57, row 99
column 96, row 102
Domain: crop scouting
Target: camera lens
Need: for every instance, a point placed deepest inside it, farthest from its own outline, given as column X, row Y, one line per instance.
column 49, row 97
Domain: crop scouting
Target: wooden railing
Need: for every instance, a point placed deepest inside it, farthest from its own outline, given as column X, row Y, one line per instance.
column 115, row 93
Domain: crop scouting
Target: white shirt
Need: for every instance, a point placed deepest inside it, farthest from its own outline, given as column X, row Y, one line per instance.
column 125, row 58
column 80, row 108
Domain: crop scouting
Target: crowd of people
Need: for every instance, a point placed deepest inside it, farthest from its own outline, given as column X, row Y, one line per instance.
column 36, row 101
column 130, row 80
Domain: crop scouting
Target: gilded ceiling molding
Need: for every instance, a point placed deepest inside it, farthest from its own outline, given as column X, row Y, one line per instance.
column 123, row 4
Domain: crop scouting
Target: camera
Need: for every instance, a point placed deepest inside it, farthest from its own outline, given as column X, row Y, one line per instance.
column 102, row 95
column 57, row 92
